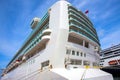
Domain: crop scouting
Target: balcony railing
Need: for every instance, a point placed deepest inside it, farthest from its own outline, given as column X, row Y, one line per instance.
column 33, row 38
column 85, row 32
column 81, row 16
column 79, row 32
column 82, row 25
column 87, row 26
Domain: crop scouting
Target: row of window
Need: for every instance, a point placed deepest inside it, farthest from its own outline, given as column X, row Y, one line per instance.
column 101, row 64
column 77, row 53
column 116, row 47
column 101, row 60
column 72, row 62
column 85, row 63
column 112, row 53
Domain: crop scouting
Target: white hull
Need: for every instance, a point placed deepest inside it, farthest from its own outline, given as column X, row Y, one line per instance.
column 66, row 74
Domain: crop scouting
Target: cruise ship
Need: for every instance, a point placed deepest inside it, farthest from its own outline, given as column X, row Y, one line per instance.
column 63, row 45
column 110, row 60
column 110, row 57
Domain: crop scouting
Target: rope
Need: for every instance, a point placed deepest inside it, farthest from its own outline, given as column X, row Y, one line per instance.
column 83, row 75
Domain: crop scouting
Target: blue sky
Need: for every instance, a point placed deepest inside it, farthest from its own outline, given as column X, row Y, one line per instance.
column 16, row 15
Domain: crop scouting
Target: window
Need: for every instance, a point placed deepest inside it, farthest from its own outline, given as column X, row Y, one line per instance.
column 86, row 44
column 84, row 54
column 46, row 63
column 72, row 61
column 68, row 51
column 73, row 52
column 86, row 63
column 77, row 53
column 81, row 53
column 76, row 62
column 95, row 64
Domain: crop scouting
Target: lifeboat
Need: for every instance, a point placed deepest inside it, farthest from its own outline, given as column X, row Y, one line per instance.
column 113, row 62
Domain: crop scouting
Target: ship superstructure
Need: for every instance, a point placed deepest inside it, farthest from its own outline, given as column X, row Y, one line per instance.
column 63, row 45
column 110, row 56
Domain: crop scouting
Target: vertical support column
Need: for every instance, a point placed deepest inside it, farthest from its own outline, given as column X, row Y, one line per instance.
column 59, row 24
column 83, row 43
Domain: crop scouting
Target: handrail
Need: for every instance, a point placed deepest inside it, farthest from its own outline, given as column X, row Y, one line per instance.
column 85, row 31
column 83, row 28
column 71, row 14
column 84, row 35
